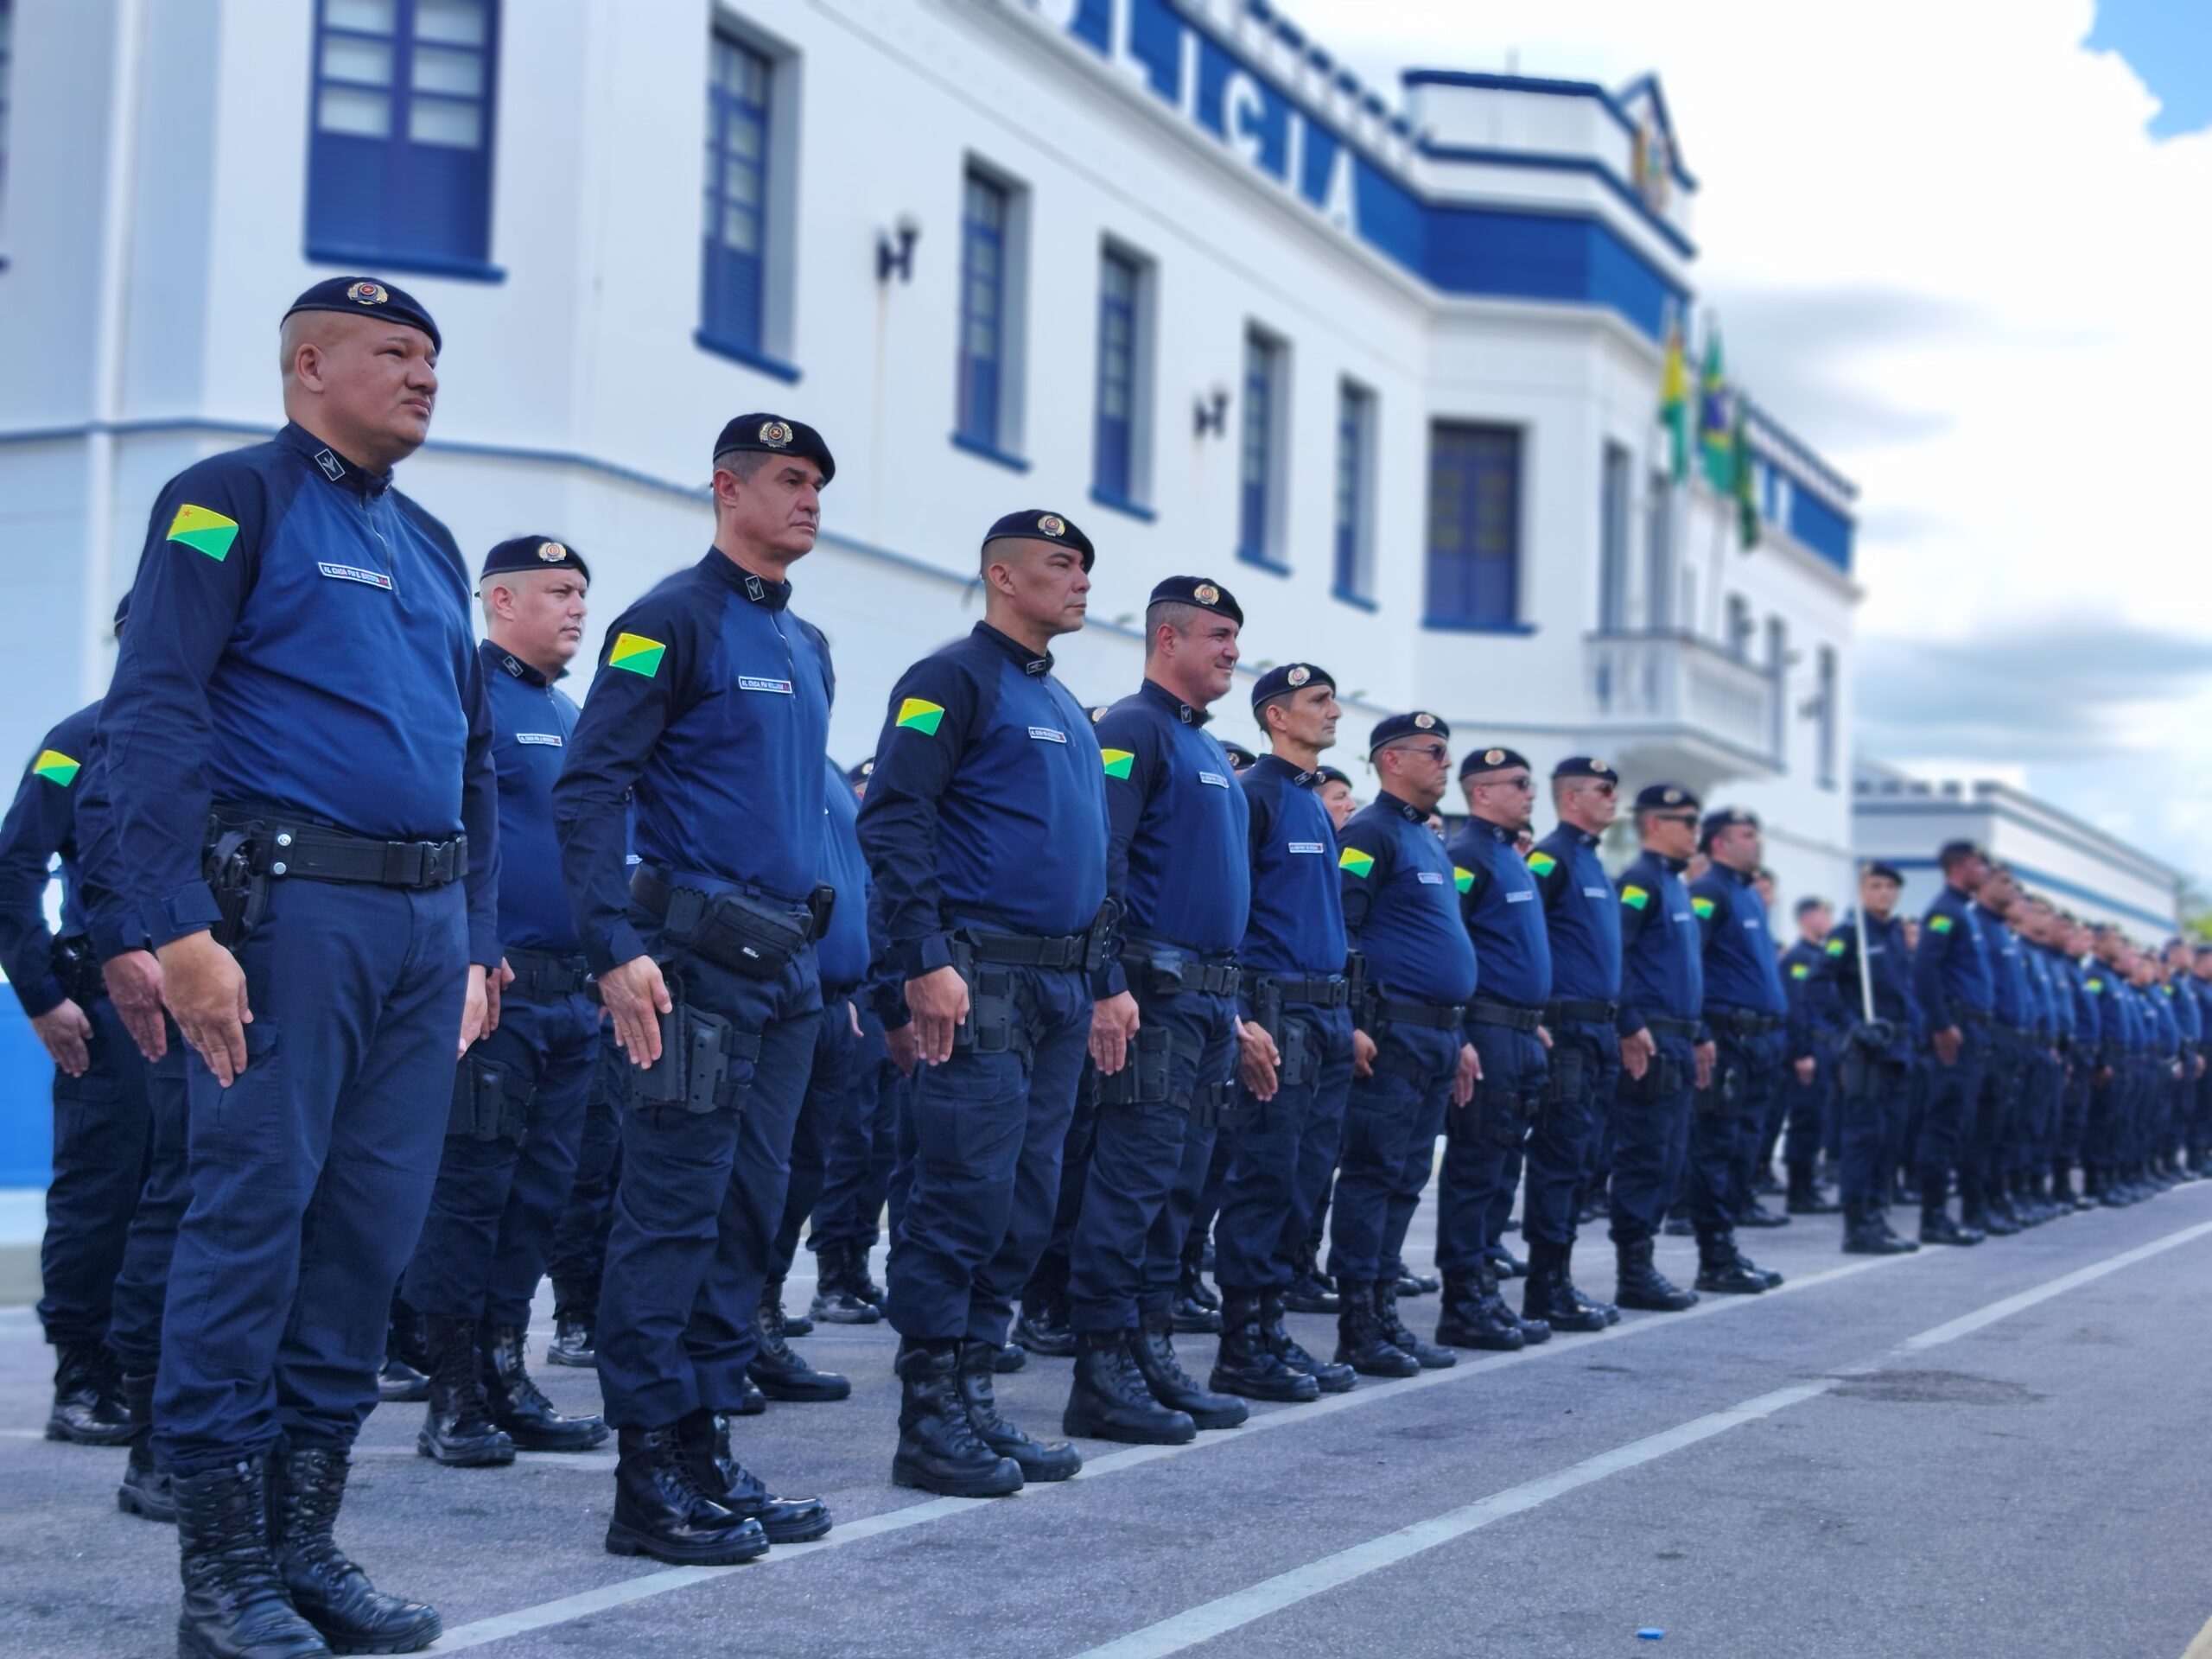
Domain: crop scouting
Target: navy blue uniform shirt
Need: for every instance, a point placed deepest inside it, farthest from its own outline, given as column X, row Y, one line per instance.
column 2089, row 1006
column 2186, row 1014
column 1505, row 916
column 41, row 822
column 1401, row 904
column 299, row 639
column 1950, row 966
column 2008, row 973
column 1177, row 861
column 1742, row 969
column 532, row 719
column 1888, row 968
column 1663, row 950
column 711, row 707
column 1815, row 1016
column 115, row 922
column 988, row 803
column 1297, row 928
column 1581, row 915
column 841, row 954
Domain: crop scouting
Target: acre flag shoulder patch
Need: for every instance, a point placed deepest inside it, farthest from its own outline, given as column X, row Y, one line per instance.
column 1118, row 761
column 1543, row 863
column 204, row 530
column 1704, row 908
column 1634, row 897
column 56, row 767
column 920, row 714
column 1463, row 879
column 1799, row 970
column 637, row 654
column 1939, row 923
column 1357, row 863
column 1836, row 947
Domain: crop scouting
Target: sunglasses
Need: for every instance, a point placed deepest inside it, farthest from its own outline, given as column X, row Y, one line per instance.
column 1676, row 817
column 1435, row 751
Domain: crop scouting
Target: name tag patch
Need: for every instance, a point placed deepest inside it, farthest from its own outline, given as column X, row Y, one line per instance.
column 1430, row 878
column 755, row 682
column 544, row 739
column 1596, row 893
column 1305, row 846
column 1047, row 734
column 1679, row 916
column 1521, row 898
column 354, row 573
column 1215, row 778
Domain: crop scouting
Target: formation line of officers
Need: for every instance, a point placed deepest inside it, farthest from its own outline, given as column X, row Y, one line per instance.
column 390, row 982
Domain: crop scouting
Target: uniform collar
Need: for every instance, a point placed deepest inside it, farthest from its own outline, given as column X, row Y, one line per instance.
column 333, row 466
column 771, row 595
column 1583, row 837
column 1672, row 865
column 1034, row 664
column 1729, row 873
column 1189, row 713
column 1494, row 831
column 1275, row 763
column 507, row 662
column 1390, row 803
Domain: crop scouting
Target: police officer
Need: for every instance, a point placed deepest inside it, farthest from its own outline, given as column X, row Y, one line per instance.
column 101, row 1122
column 300, row 687
column 1814, row 1035
column 1665, row 1052
column 710, row 714
column 985, row 830
column 2054, row 1009
column 1744, row 1010
column 1296, row 1062
column 1164, row 1035
column 1874, row 1060
column 1504, row 918
column 2071, row 946
column 519, row 1101
column 1951, row 982
column 1983, row 1202
column 1410, row 1061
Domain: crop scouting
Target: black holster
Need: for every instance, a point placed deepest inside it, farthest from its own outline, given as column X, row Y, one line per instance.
column 996, row 1022
column 1662, row 1079
column 490, row 1102
column 1501, row 1116
column 698, row 1050
column 237, row 876
column 1148, row 1077
column 1725, row 1096
column 1569, row 1077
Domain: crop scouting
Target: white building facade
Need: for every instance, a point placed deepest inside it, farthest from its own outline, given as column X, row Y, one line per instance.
column 1387, row 365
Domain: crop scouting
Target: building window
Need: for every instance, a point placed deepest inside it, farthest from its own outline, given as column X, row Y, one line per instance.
column 1612, row 539
column 1474, row 526
column 1659, row 555
column 1741, row 628
column 1828, row 692
column 986, row 223
column 1259, row 537
column 1355, row 526
column 400, row 163
column 733, row 290
column 1777, row 665
column 1114, row 464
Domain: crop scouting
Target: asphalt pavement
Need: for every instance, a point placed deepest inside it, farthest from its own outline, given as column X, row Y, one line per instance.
column 1990, row 1452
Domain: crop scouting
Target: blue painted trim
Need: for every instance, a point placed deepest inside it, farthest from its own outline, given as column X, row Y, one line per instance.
column 1444, row 624
column 1262, row 562
column 989, row 452
column 2057, row 884
column 775, row 367
column 1357, row 601
column 1496, row 83
column 1550, row 163
column 1122, row 504
column 1797, row 450
column 426, row 264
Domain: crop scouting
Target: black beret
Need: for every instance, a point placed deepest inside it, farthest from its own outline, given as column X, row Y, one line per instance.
column 1239, row 756
column 862, row 772
column 1723, row 818
column 365, row 296
column 1197, row 590
column 122, row 611
column 1479, row 762
column 533, row 553
column 1286, row 678
column 1334, row 775
column 1661, row 798
column 1391, row 727
column 1582, row 766
column 1887, row 872
column 1954, row 850
column 1035, row 524
column 771, row 434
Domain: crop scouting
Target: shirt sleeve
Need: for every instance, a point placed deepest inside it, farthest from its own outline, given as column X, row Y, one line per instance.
column 202, row 552
column 111, row 916
column 935, row 711
column 1554, row 881
column 1365, row 859
column 1935, row 943
column 479, row 814
column 39, row 821
column 1135, row 771
column 1636, row 904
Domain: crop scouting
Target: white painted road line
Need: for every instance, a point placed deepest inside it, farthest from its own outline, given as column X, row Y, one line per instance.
column 1226, row 1613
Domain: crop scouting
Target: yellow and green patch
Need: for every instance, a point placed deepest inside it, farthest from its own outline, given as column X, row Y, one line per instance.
column 2096, row 987
column 636, row 654
column 920, row 714
column 1704, row 908
column 204, row 530
column 1939, row 923
column 1543, row 863
column 1836, row 947
column 1800, row 970
column 1118, row 762
column 56, row 767
column 1463, row 879
column 1634, row 897
column 1358, row 863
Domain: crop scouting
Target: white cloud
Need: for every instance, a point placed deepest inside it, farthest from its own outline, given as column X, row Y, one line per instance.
column 2002, row 296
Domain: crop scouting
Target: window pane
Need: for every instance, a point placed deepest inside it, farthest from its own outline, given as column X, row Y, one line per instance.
column 460, row 74
column 367, row 62
column 741, row 230
column 366, row 114
column 371, row 17
column 456, row 126
column 454, row 23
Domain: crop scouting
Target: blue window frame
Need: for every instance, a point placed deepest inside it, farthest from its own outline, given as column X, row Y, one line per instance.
column 1355, row 447
column 400, row 161
column 1474, row 526
column 733, row 285
column 1255, row 504
column 1114, row 463
column 985, row 215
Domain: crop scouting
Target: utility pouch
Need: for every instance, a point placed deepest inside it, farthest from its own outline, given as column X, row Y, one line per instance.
column 733, row 931
column 233, row 871
column 490, row 1103
column 1212, row 1105
column 1299, row 1056
column 1266, row 1007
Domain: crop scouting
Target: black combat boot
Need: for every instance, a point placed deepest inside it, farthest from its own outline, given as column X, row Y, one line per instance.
column 145, row 1485
column 662, row 1511
column 1043, row 1327
column 1807, row 1196
column 1361, row 1343
column 1040, row 1459
column 576, row 1313
column 1936, row 1227
column 1722, row 1271
column 1606, row 1311
column 1637, row 1282
column 235, row 1602
column 400, row 1383
column 1154, row 1351
column 457, row 1427
column 88, row 1405
column 704, row 1436
column 1110, row 1401
column 779, row 1373
column 519, row 1406
column 1311, row 1291
column 403, row 1379
column 1470, row 1319
column 1504, row 1263
column 1548, row 1295
column 1275, row 1330
column 939, row 1450
column 1401, row 1336
column 1864, row 1235
column 750, row 1402
column 1247, row 1365
column 306, row 1486
column 837, row 1300
column 1197, row 1310
column 1490, row 1279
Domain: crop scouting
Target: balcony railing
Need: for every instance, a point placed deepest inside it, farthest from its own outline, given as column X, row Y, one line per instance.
column 1677, row 684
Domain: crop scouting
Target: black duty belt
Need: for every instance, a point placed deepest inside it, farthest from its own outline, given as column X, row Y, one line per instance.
column 313, row 853
column 1029, row 949
column 1585, row 1009
column 1966, row 1015
column 1511, row 1015
column 1332, row 992
column 542, row 976
column 1744, row 1022
column 679, row 905
column 1437, row 1016
column 1208, row 973
column 1661, row 1026
column 77, row 971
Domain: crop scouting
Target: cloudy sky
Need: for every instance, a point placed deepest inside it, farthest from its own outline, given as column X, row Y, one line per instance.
column 1964, row 247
